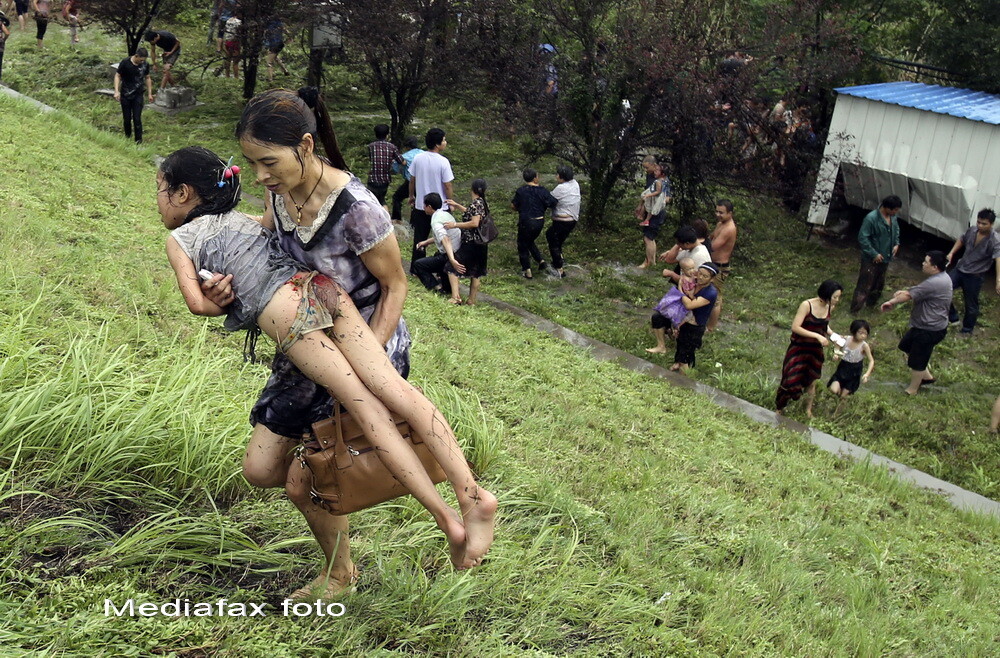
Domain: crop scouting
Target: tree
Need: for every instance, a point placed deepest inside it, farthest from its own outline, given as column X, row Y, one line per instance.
column 130, row 18
column 668, row 77
column 404, row 44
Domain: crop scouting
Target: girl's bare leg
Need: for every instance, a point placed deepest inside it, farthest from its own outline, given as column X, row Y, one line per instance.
column 316, row 355
column 995, row 416
column 661, row 342
column 368, row 359
column 268, row 464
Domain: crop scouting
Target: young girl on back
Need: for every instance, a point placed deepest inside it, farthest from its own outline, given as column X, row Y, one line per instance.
column 848, row 378
column 315, row 323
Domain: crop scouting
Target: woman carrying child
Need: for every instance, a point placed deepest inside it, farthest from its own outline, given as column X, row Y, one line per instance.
column 471, row 256
column 654, row 199
column 670, row 312
column 318, row 328
column 699, row 301
column 803, row 363
column 848, row 378
column 326, row 219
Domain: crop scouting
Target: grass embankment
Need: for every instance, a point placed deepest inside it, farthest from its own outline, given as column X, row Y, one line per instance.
column 941, row 432
column 636, row 519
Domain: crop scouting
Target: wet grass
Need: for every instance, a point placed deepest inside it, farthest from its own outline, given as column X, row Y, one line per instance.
column 636, row 519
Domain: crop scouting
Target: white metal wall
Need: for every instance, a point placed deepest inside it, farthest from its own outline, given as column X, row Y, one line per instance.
column 944, row 168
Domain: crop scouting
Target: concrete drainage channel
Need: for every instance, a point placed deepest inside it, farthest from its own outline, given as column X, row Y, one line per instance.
column 957, row 496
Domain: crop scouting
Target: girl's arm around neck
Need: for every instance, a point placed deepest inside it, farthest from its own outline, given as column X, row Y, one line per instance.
column 189, row 283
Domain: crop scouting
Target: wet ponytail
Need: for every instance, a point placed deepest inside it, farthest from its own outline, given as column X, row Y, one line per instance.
column 203, row 170
column 281, row 117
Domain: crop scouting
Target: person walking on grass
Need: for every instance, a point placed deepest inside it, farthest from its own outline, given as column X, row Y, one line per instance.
column 382, row 154
column 430, row 172
column 928, row 318
column 531, row 200
column 274, row 42
column 848, row 378
column 171, row 47
column 316, row 325
column 71, row 14
column 403, row 191
column 803, row 363
column 723, row 240
column 231, row 47
column 471, row 258
column 21, row 8
column 131, row 78
column 982, row 249
column 879, row 241
column 41, row 9
column 282, row 134
column 564, row 216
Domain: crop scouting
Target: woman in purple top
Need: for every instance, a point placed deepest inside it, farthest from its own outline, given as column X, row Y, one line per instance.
column 326, row 219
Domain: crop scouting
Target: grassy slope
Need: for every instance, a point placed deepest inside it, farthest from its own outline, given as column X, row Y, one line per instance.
column 636, row 519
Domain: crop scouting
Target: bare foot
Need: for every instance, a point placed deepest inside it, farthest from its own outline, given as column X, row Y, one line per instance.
column 809, row 413
column 328, row 586
column 909, row 392
column 676, row 367
column 454, row 531
column 479, row 520
column 656, row 350
column 644, row 265
column 456, row 302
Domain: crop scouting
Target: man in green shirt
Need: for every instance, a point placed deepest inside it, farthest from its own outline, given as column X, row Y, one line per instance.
column 879, row 241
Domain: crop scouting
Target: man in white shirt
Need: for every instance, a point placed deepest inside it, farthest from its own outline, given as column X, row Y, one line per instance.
column 430, row 269
column 564, row 215
column 430, row 172
column 687, row 246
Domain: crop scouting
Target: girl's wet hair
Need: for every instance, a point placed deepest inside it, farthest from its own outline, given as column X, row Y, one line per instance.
column 281, row 117
column 203, row 170
column 858, row 325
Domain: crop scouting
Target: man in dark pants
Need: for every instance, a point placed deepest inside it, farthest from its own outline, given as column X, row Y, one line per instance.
column 430, row 172
column 383, row 154
column 531, row 200
column 879, row 241
column 132, row 74
column 982, row 247
column 928, row 318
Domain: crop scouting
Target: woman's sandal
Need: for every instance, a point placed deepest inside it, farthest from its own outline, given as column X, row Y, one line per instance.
column 325, row 587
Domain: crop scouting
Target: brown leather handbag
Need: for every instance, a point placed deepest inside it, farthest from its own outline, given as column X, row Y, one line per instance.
column 347, row 474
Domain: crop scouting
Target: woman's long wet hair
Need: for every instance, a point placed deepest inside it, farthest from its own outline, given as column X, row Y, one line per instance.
column 203, row 170
column 280, row 117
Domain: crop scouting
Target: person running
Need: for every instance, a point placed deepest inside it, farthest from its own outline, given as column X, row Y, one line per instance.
column 274, row 42
column 171, row 47
column 130, row 78
column 317, row 326
column 531, row 200
column 564, row 216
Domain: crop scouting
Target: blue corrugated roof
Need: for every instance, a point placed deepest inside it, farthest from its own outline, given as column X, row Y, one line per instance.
column 964, row 103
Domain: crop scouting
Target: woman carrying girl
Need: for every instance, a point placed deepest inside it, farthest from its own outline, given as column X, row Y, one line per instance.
column 326, row 219
column 848, row 378
column 318, row 328
column 471, row 256
column 699, row 301
column 654, row 200
column 804, row 359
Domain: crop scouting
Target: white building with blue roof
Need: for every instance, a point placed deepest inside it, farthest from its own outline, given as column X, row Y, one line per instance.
column 936, row 148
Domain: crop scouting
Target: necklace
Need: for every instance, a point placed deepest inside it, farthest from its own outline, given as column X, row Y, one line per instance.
column 299, row 206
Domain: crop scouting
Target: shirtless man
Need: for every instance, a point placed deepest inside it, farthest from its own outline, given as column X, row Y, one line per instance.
column 723, row 240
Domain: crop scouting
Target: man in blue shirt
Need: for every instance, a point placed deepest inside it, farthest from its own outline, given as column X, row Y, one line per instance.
column 403, row 191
